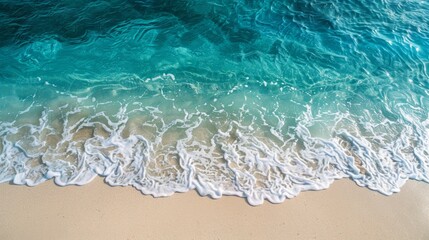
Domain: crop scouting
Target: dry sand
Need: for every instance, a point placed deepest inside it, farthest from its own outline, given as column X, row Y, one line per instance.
column 98, row 211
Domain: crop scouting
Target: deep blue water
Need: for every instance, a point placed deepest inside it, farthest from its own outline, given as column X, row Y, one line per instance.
column 259, row 99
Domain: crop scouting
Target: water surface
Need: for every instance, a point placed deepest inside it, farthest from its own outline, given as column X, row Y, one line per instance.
column 259, row 99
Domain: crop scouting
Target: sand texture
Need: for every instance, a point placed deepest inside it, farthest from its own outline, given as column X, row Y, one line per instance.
column 98, row 211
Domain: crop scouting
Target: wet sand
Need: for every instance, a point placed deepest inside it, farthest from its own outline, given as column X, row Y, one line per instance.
column 98, row 211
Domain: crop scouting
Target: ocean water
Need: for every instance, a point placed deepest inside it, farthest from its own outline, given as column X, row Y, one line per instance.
column 258, row 99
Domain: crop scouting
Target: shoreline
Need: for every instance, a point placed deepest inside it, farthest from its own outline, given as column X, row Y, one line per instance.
column 99, row 211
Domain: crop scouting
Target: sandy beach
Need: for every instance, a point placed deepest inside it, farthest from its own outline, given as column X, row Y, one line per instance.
column 98, row 211
column 261, row 99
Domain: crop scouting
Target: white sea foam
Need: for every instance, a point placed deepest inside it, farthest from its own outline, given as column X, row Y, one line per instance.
column 240, row 148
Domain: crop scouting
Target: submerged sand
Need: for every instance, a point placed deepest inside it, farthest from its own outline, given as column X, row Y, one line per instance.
column 98, row 211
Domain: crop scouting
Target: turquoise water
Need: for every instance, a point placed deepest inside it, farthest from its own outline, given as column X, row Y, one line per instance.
column 258, row 99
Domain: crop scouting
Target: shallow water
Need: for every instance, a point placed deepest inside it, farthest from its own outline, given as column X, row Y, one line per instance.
column 259, row 99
